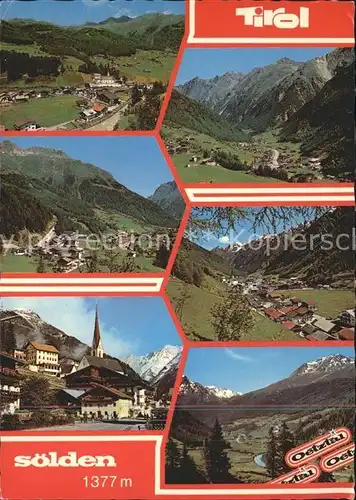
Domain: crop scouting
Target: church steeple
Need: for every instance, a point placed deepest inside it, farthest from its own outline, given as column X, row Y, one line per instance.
column 97, row 346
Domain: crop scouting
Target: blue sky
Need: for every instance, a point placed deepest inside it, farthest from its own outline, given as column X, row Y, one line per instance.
column 129, row 325
column 73, row 12
column 246, row 369
column 244, row 232
column 136, row 162
column 207, row 63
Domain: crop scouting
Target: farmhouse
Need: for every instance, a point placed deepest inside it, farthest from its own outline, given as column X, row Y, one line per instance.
column 108, row 97
column 26, row 125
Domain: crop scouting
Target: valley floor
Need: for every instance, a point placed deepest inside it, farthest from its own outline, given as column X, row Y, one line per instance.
column 195, row 317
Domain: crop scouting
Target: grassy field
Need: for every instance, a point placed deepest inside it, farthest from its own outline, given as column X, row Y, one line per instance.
column 144, row 66
column 207, row 173
column 47, row 112
column 19, row 264
column 196, row 321
column 330, row 303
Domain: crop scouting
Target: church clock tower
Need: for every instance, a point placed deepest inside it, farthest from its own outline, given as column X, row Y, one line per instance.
column 97, row 346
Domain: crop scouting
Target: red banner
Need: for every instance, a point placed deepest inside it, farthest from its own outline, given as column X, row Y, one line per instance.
column 100, row 466
column 228, row 22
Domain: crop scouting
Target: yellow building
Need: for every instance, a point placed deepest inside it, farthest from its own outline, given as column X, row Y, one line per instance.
column 106, row 403
column 42, row 358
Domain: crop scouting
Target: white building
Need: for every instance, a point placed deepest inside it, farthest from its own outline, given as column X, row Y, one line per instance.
column 42, row 358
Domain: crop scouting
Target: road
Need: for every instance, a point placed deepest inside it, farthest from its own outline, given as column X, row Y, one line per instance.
column 109, row 123
column 274, row 160
column 92, row 426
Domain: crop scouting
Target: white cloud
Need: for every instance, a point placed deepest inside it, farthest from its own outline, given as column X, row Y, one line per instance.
column 235, row 355
column 75, row 318
column 224, row 239
column 124, row 12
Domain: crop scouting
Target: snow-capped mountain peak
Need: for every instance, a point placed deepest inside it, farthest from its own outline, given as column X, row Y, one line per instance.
column 326, row 364
column 222, row 393
column 204, row 393
column 150, row 365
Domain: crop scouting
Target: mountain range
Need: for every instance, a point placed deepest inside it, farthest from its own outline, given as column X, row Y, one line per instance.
column 270, row 95
column 168, row 197
column 40, row 185
column 310, row 103
column 113, row 36
column 194, row 393
column 158, row 368
column 278, row 254
column 327, row 381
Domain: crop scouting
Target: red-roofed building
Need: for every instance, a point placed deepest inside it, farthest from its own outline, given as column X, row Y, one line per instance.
column 273, row 314
column 347, row 334
column 289, row 325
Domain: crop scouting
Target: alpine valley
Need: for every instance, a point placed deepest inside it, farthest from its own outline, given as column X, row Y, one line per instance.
column 289, row 121
column 315, row 398
column 62, row 200
column 288, row 279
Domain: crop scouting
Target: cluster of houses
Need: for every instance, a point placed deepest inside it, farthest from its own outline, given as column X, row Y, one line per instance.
column 299, row 316
column 98, row 98
column 66, row 252
column 97, row 387
column 295, row 314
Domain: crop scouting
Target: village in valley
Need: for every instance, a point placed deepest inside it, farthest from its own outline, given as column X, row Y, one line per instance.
column 99, row 105
column 276, row 300
column 248, row 116
column 265, row 287
column 63, row 214
column 102, row 71
column 65, row 384
column 235, row 422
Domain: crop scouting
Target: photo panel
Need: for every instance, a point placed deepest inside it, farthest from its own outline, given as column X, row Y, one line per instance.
column 87, row 364
column 238, row 421
column 262, row 115
column 87, row 205
column 266, row 274
column 87, row 65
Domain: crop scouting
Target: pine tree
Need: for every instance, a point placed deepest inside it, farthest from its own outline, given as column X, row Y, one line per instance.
column 271, row 454
column 285, row 442
column 326, row 477
column 40, row 266
column 188, row 471
column 162, row 256
column 173, row 462
column 217, row 462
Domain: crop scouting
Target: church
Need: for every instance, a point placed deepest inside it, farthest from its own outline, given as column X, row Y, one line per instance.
column 104, row 388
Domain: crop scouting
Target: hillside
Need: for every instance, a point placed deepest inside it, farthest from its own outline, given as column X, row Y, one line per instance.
column 272, row 123
column 44, row 184
column 155, row 30
column 334, row 105
column 168, row 197
column 286, row 259
column 269, row 95
column 326, row 381
column 185, row 112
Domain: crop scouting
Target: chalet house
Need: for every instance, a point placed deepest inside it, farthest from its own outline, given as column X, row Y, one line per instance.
column 274, row 296
column 289, row 325
column 274, row 314
column 347, row 318
column 9, row 383
column 109, row 388
column 108, row 97
column 66, row 369
column 27, row 125
column 105, row 403
column 42, row 358
column 300, row 314
column 325, row 326
column 347, row 334
column 20, row 354
column 308, row 330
